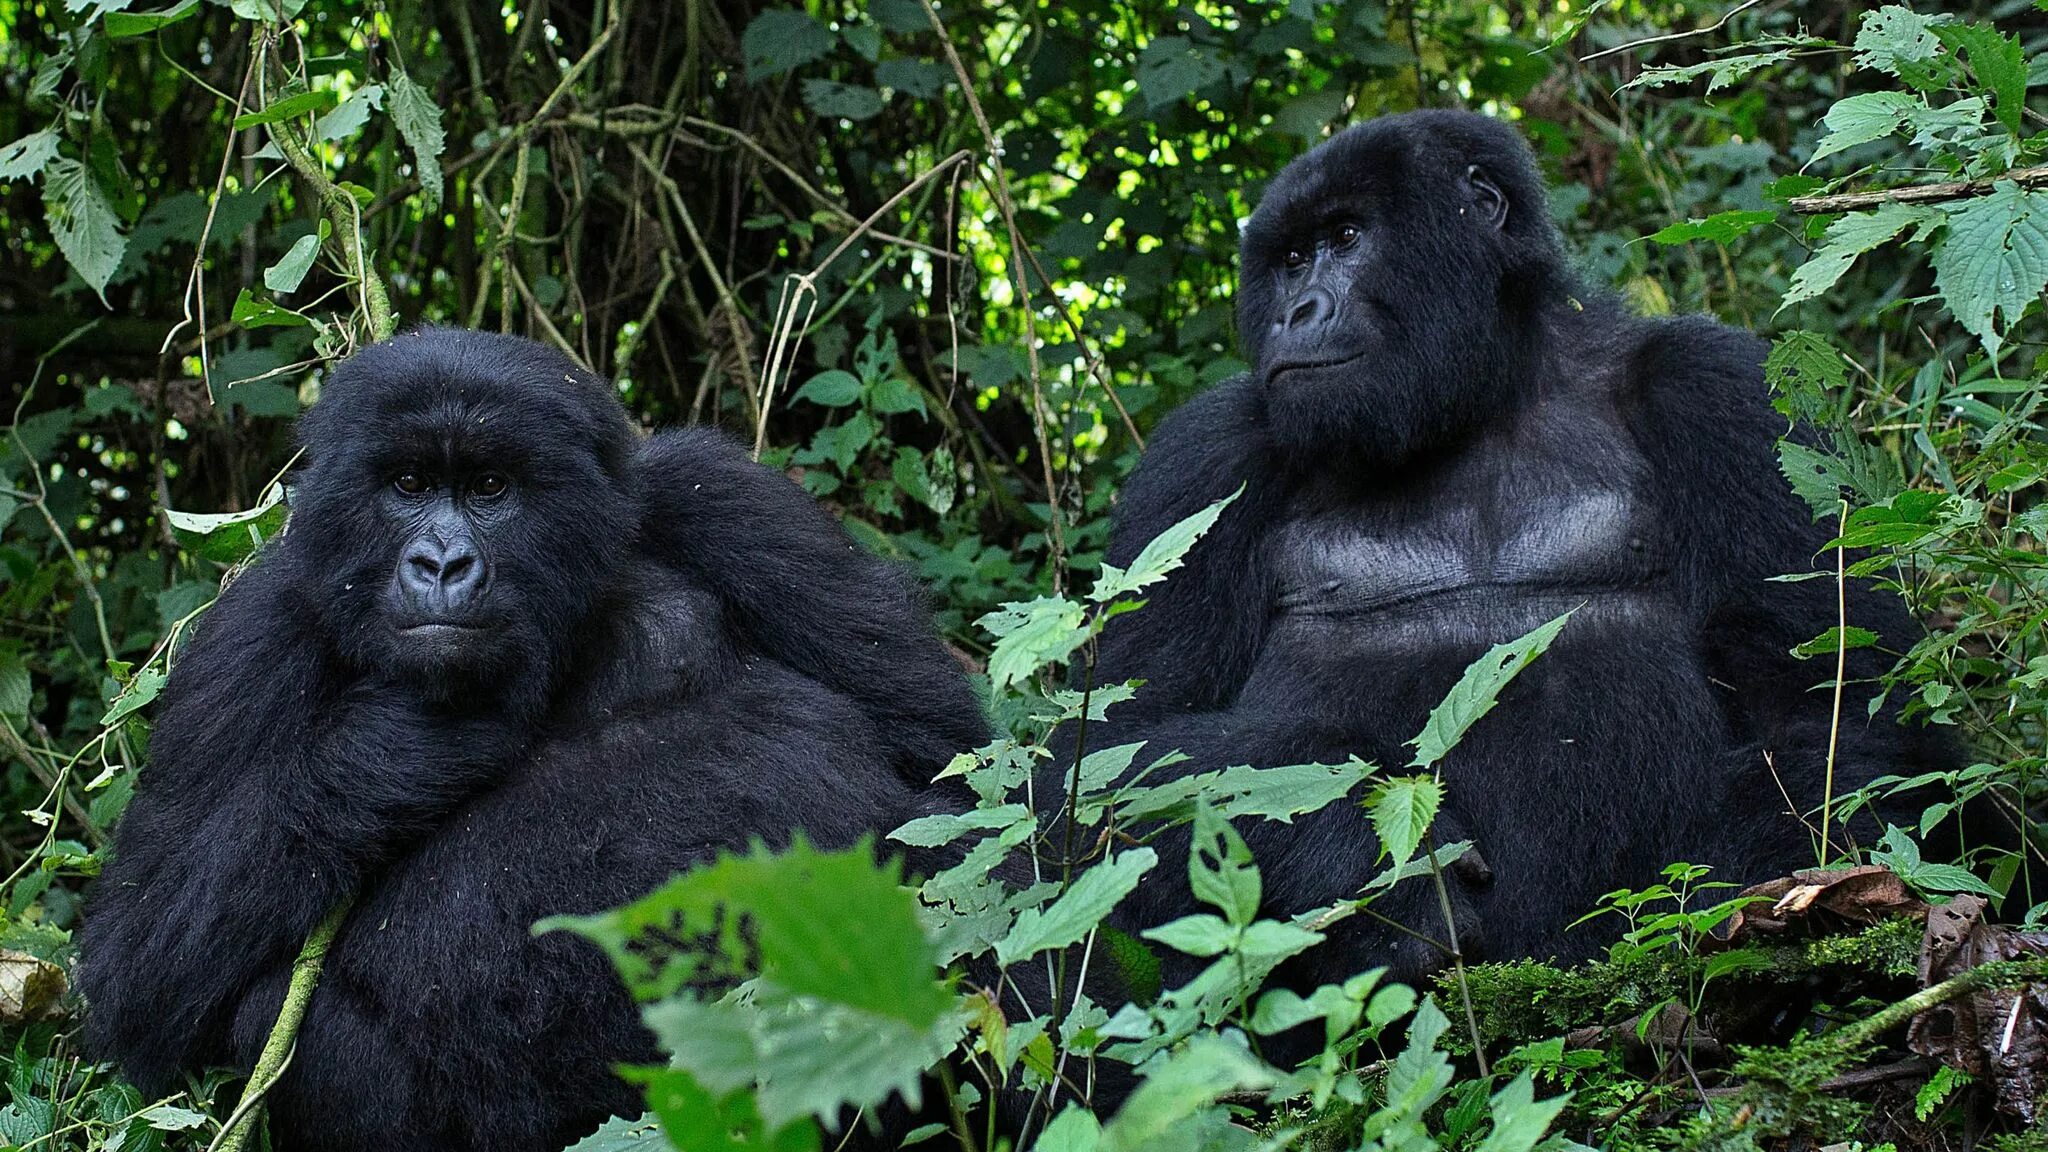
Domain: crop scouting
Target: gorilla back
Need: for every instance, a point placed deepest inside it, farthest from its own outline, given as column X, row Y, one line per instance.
column 510, row 659
column 1445, row 441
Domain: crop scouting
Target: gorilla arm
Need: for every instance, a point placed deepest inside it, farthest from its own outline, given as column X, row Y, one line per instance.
column 1199, row 635
column 272, row 791
column 799, row 591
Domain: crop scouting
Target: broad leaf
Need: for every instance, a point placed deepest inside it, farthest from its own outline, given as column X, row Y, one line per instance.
column 87, row 229
column 419, row 121
column 28, row 155
column 1162, row 555
column 781, row 40
column 1030, row 636
column 1220, row 867
column 1845, row 240
column 833, row 389
column 1402, row 811
column 1077, row 910
column 834, row 100
column 1720, row 228
column 1994, row 261
column 285, row 276
column 1862, row 119
column 1171, row 68
column 228, row 537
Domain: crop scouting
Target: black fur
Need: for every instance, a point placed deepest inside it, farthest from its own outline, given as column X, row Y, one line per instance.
column 672, row 650
column 1444, row 441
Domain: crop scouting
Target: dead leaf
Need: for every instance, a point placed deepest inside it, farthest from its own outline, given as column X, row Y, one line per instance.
column 30, row 989
column 1814, row 902
column 1998, row 1035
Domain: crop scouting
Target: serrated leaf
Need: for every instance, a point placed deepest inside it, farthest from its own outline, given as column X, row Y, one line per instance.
column 1402, row 811
column 833, row 389
column 1078, row 910
column 1900, row 41
column 1031, row 635
column 1221, row 872
column 1162, row 555
column 702, row 1120
column 1202, row 934
column 1845, row 240
column 1720, row 71
column 932, row 831
column 1171, row 68
column 303, row 104
column 1864, row 118
column 1994, row 260
column 921, row 79
column 285, row 276
column 84, row 223
column 133, row 698
column 2000, row 64
column 228, row 537
column 15, row 688
column 1178, row 1090
column 166, row 1117
column 419, row 121
column 1834, row 639
column 781, row 40
column 1519, row 1119
column 1720, row 228
column 624, row 1134
column 1476, row 692
column 29, row 155
column 832, row 99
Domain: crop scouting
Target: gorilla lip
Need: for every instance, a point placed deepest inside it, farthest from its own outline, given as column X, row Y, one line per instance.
column 1276, row 370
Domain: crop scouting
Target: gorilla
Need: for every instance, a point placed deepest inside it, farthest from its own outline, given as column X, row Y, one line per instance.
column 1444, row 441
column 510, row 659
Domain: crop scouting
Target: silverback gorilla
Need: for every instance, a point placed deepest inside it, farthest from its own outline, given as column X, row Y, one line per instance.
column 1445, row 441
column 510, row 659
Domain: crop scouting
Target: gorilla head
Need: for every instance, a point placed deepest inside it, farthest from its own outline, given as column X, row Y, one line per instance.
column 471, row 495
column 1390, row 280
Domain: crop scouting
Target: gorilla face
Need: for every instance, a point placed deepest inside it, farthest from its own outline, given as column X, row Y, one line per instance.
column 1387, row 282
column 463, row 508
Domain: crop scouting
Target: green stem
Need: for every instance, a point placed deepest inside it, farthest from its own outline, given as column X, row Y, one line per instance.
column 344, row 215
column 234, row 1137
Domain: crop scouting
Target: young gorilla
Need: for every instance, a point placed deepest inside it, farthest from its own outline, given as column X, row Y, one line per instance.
column 511, row 659
column 1445, row 441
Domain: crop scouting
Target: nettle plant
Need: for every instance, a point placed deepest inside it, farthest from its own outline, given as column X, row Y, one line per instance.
column 1925, row 443
column 793, row 988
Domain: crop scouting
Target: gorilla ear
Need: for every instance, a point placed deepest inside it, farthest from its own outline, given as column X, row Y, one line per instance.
column 1487, row 198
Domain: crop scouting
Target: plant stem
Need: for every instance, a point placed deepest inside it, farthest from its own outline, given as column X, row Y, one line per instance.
column 277, row 1049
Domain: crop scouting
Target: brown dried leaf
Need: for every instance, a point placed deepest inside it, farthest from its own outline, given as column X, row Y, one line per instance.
column 1817, row 902
column 1998, row 1035
column 29, row 988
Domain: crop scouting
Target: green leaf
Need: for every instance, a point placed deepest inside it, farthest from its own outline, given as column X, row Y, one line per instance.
column 1832, row 640
column 1074, row 1130
column 1402, row 811
column 782, row 40
column 1178, row 1090
column 303, row 104
column 1030, row 636
column 833, row 389
column 1078, row 910
column 15, row 689
column 285, row 276
column 1475, row 693
column 1994, row 260
column 1199, row 935
column 1171, row 68
column 1720, row 71
column 1162, row 555
column 1720, row 228
column 895, row 395
column 831, row 99
column 1519, row 1119
column 253, row 313
column 624, row 1134
column 28, row 155
column 1845, row 240
column 136, row 696
column 419, row 121
column 121, row 25
column 1862, row 119
column 1307, row 117
column 1804, row 371
column 697, row 1119
column 228, row 537
column 831, row 925
column 165, row 1117
column 1220, row 868
column 87, row 230
column 932, row 831
column 1900, row 41
column 351, row 114
column 2000, row 64
column 921, row 79
column 1950, row 878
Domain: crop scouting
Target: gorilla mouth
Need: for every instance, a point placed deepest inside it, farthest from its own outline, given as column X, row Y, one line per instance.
column 437, row 630
column 1274, row 373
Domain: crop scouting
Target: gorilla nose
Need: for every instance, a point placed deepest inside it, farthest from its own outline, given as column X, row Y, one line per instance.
column 442, row 574
column 1313, row 308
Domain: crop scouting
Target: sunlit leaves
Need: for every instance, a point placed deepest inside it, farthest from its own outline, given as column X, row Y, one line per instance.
column 1994, row 261
column 29, row 155
column 1172, row 68
column 87, row 229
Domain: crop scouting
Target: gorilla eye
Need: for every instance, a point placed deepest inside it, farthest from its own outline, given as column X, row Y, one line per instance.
column 410, row 482
column 1347, row 235
column 1295, row 258
column 488, row 486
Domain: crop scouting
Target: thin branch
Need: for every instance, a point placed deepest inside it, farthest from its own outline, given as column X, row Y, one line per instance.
column 1731, row 14
column 2035, row 177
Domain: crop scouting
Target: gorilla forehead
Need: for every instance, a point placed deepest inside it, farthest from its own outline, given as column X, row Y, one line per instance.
column 1391, row 161
column 443, row 393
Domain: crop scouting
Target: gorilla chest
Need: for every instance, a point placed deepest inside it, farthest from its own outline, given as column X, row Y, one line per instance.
column 1482, row 552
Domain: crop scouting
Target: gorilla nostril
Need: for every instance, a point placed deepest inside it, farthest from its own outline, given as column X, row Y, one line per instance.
column 1313, row 308
column 455, row 569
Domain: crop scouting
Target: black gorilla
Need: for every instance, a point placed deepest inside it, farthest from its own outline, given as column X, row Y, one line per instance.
column 511, row 659
column 1445, row 441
